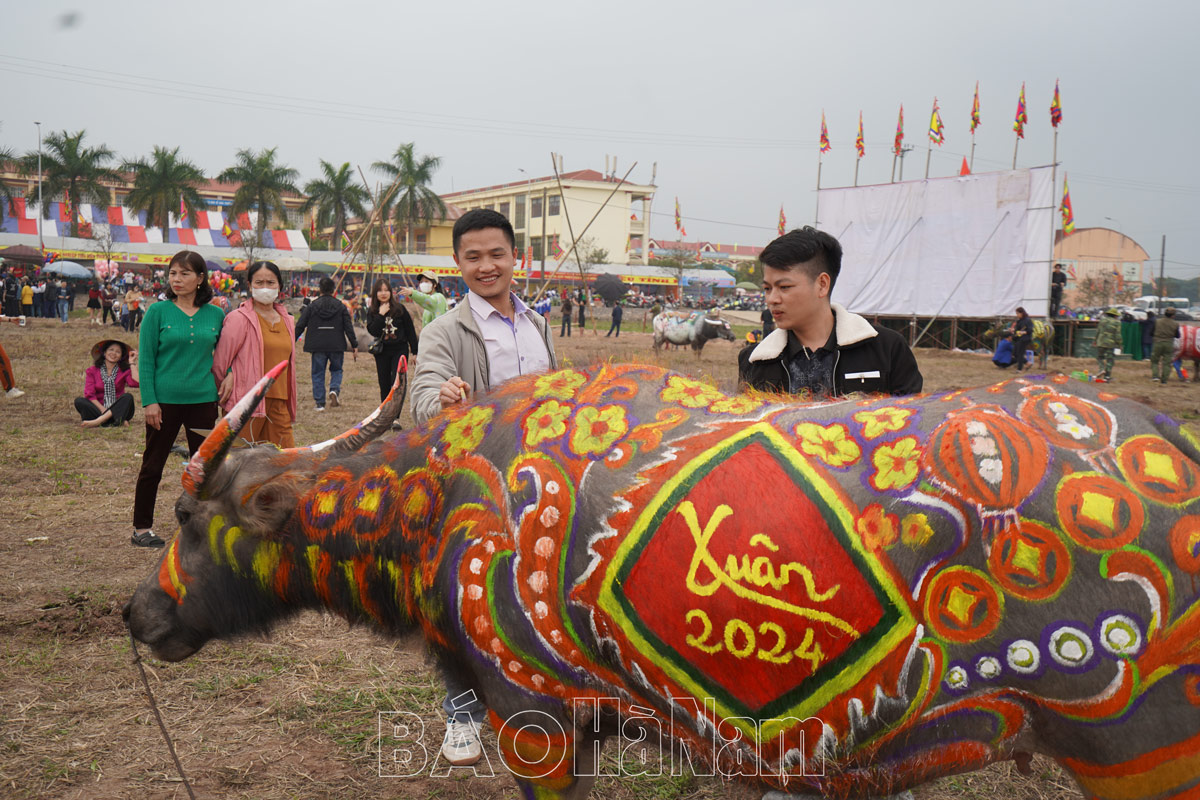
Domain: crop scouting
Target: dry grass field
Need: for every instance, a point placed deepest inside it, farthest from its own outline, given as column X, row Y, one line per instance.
column 295, row 715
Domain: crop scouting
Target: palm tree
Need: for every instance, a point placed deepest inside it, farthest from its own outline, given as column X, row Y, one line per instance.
column 6, row 196
column 69, row 168
column 414, row 205
column 160, row 183
column 263, row 183
column 335, row 197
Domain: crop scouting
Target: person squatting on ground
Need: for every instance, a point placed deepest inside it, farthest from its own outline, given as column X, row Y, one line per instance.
column 489, row 338
column 429, row 296
column 326, row 326
column 175, row 349
column 392, row 326
column 818, row 347
column 1166, row 331
column 257, row 335
column 105, row 401
column 1108, row 341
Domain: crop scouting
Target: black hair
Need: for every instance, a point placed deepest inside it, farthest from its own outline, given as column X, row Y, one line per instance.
column 808, row 249
column 393, row 304
column 122, row 365
column 257, row 265
column 478, row 219
column 194, row 262
column 326, row 285
column 1021, row 310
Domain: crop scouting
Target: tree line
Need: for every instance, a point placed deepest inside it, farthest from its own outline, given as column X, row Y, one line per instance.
column 73, row 169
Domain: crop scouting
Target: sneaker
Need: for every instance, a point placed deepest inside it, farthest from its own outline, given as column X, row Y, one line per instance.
column 320, row 408
column 146, row 539
column 333, row 399
column 461, row 745
column 14, row 393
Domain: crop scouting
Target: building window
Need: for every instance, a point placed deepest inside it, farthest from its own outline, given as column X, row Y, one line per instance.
column 538, row 248
column 519, row 221
column 554, row 202
column 504, row 210
column 535, row 207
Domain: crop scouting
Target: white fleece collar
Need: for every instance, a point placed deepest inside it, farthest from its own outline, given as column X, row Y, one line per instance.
column 849, row 328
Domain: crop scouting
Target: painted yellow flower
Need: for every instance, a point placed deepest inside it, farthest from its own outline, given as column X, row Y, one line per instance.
column 877, row 528
column 739, row 404
column 464, row 434
column 689, row 393
column 915, row 530
column 896, row 464
column 547, row 421
column 562, row 384
column 832, row 444
column 594, row 430
column 883, row 420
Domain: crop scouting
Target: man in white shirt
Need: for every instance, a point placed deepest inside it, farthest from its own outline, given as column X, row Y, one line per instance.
column 490, row 338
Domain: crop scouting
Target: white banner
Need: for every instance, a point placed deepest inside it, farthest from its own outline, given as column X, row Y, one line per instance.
column 968, row 246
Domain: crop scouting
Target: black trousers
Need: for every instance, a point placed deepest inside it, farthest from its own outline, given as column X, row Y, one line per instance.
column 386, row 364
column 122, row 410
column 191, row 417
column 565, row 330
column 109, row 311
column 1020, row 345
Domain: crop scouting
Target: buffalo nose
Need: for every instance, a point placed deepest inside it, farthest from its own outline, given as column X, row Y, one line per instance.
column 126, row 611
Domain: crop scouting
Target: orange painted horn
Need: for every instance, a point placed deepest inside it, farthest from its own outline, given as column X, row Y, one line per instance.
column 212, row 452
column 372, row 426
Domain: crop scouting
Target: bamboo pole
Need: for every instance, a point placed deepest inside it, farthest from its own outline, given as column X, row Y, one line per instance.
column 388, row 239
column 567, row 255
column 1054, row 208
column 817, row 210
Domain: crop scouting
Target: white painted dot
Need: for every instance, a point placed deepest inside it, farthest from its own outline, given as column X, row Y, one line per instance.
column 956, row 678
column 476, row 566
column 1071, row 647
column 496, row 646
column 474, row 591
column 538, row 581
column 513, row 666
column 541, row 609
column 1023, row 657
column 489, row 546
column 556, row 637
column 544, row 547
column 552, row 487
column 481, row 624
column 988, row 667
column 538, row 681
column 549, row 517
column 1120, row 635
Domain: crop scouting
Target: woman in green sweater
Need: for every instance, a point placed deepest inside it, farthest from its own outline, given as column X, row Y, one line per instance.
column 178, row 390
column 428, row 295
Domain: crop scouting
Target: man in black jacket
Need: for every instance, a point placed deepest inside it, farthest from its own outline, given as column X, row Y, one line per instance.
column 819, row 348
column 329, row 327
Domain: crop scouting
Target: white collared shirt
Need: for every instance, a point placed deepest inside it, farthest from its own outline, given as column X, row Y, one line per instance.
column 514, row 347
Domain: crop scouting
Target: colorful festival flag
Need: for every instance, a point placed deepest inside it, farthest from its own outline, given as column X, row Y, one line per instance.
column 898, row 147
column 1022, row 117
column 312, row 229
column 678, row 219
column 182, row 211
column 858, row 142
column 825, row 147
column 1068, row 216
column 782, row 221
column 937, row 131
column 1056, row 107
column 345, row 243
column 683, row 232
column 226, row 231
column 975, row 109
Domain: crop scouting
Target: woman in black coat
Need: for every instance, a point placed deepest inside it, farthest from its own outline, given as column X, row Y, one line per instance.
column 389, row 322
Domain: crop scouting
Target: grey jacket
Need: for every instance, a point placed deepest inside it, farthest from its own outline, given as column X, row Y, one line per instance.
column 453, row 345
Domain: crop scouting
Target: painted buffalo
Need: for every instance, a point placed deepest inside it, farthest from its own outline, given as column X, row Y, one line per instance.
column 696, row 329
column 1188, row 347
column 842, row 598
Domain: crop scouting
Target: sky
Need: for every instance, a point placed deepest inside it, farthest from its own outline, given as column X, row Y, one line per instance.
column 725, row 98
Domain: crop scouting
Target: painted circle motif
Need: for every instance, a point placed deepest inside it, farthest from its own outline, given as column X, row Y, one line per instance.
column 988, row 667
column 962, row 605
column 1023, row 657
column 957, row 679
column 988, row 457
column 1098, row 511
column 1185, row 543
column 1120, row 635
column 1158, row 471
column 1069, row 422
column 1030, row 561
column 1071, row 647
column 321, row 506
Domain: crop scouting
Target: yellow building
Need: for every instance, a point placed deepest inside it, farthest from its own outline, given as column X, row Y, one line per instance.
column 1104, row 255
column 535, row 207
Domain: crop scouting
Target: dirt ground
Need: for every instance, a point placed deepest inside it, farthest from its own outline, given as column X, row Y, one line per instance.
column 296, row 715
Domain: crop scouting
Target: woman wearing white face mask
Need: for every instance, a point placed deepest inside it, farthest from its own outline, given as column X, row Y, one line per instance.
column 257, row 335
column 428, row 295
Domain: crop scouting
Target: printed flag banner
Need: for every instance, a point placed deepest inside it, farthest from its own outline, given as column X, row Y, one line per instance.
column 937, row 131
column 678, row 218
column 898, row 147
column 1056, row 107
column 1068, row 216
column 1022, row 117
column 858, row 141
column 975, row 109
column 345, row 243
column 782, row 222
column 825, row 147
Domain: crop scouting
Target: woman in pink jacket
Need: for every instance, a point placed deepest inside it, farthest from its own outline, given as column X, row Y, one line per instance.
column 105, row 401
column 257, row 335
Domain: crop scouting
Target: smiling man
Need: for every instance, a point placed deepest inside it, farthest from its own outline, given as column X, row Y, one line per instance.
column 819, row 348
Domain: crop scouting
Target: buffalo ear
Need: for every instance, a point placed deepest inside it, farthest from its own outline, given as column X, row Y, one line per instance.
column 273, row 502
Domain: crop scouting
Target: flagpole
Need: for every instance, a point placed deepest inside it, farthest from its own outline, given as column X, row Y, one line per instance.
column 1054, row 202
column 972, row 149
column 894, row 155
column 1016, row 144
column 817, row 212
column 856, row 162
column 928, row 155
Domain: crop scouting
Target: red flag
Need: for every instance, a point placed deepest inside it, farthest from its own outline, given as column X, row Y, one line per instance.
column 1021, row 117
column 825, row 146
column 1056, row 107
column 312, row 229
column 858, row 142
column 965, row 169
column 1068, row 214
column 899, row 144
column 782, row 221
